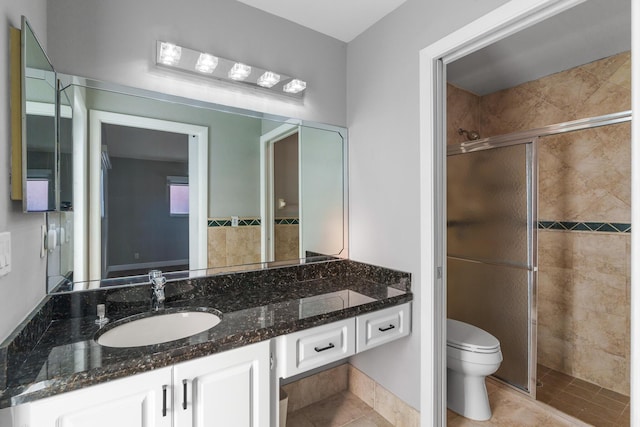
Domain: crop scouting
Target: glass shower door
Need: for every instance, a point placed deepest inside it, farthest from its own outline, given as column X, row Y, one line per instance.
column 490, row 251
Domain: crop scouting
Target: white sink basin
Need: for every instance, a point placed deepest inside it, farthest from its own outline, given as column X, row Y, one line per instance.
column 158, row 328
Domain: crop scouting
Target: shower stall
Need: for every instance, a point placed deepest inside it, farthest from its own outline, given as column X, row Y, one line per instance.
column 542, row 262
column 491, row 248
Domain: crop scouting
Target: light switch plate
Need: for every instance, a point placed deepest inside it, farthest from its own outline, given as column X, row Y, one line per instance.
column 5, row 253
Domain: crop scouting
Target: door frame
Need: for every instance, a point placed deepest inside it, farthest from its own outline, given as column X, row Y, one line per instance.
column 267, row 207
column 198, row 183
column 496, row 25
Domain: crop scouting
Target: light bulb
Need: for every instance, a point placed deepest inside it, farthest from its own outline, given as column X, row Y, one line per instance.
column 206, row 63
column 239, row 71
column 295, row 86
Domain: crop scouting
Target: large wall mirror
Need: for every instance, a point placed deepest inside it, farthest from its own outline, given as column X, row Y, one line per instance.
column 160, row 182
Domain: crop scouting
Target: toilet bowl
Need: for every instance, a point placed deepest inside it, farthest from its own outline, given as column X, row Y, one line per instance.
column 472, row 354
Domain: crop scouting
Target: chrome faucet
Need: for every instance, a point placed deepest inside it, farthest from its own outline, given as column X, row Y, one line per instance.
column 157, row 281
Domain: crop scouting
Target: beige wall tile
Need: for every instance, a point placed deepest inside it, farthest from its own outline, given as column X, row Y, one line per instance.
column 605, row 68
column 232, row 246
column 622, row 76
column 393, row 409
column 216, row 247
column 362, row 386
column 553, row 352
column 566, row 89
column 316, row 387
column 462, row 112
column 320, row 386
column 598, row 88
column 287, row 242
column 605, row 369
column 583, row 306
column 609, row 98
column 243, row 245
column 601, row 252
column 385, row 403
column 555, row 249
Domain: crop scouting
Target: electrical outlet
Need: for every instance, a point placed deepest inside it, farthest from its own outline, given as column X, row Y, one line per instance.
column 234, row 221
column 136, row 255
column 5, row 253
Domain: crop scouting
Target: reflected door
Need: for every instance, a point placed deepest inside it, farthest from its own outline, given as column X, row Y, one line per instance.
column 490, row 251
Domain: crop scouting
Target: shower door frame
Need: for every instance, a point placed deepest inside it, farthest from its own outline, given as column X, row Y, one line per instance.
column 502, row 22
column 531, row 164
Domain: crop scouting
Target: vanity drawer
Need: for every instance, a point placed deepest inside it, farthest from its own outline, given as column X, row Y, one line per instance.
column 379, row 327
column 300, row 351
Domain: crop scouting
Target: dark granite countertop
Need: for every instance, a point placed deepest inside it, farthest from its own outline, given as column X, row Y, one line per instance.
column 54, row 350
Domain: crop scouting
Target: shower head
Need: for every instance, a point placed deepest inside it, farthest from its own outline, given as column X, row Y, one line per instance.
column 472, row 135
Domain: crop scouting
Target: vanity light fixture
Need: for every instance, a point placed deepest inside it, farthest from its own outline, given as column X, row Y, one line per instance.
column 239, row 71
column 206, row 63
column 178, row 58
column 295, row 86
column 169, row 54
column 268, row 79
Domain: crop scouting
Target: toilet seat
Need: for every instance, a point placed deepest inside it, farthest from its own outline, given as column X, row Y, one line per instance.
column 470, row 338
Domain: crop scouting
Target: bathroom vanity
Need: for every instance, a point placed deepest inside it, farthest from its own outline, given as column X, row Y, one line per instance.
column 274, row 323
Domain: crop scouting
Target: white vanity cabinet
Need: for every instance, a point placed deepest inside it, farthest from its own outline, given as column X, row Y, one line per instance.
column 226, row 389
column 232, row 388
column 314, row 347
column 135, row 401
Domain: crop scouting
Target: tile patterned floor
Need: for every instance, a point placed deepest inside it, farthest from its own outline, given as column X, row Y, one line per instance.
column 586, row 401
column 560, row 398
column 513, row 409
column 340, row 410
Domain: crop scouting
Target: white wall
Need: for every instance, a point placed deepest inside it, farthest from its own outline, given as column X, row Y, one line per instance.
column 115, row 41
column 24, row 287
column 382, row 117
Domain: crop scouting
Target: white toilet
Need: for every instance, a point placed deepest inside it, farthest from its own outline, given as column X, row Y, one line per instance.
column 472, row 354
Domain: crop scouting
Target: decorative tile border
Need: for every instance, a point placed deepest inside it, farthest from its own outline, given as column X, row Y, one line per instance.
column 287, row 221
column 607, row 227
column 227, row 222
column 223, row 222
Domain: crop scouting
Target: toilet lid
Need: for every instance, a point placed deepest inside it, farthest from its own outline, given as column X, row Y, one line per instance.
column 470, row 338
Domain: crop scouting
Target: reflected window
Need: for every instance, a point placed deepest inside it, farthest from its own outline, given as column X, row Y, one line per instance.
column 178, row 195
column 38, row 194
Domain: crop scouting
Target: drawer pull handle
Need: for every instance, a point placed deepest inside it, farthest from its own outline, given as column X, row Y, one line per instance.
column 184, row 394
column 329, row 347
column 164, row 400
column 388, row 328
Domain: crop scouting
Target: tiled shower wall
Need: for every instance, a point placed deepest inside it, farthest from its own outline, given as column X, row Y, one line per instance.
column 233, row 246
column 584, row 177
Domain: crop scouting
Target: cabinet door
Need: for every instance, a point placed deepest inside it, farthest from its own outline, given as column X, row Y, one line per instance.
column 225, row 389
column 136, row 401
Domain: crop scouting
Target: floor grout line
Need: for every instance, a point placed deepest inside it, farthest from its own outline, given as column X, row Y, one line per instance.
column 580, row 405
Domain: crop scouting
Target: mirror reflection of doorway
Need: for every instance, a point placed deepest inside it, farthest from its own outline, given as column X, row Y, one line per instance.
column 145, row 223
column 197, row 154
column 286, row 198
